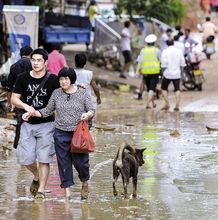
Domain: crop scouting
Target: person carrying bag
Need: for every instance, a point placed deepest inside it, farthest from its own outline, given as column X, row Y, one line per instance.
column 72, row 105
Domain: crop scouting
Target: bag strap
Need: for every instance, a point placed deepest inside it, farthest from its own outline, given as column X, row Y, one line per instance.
column 40, row 86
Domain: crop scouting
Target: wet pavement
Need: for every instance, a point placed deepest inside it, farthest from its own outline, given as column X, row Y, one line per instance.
column 179, row 177
column 177, row 181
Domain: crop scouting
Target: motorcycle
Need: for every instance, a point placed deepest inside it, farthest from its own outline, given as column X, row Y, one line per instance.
column 209, row 47
column 192, row 76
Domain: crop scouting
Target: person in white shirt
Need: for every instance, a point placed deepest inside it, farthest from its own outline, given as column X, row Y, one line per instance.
column 208, row 28
column 172, row 60
column 167, row 35
column 85, row 77
column 178, row 44
column 125, row 45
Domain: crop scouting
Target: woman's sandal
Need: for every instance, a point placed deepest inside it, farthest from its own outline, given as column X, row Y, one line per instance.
column 40, row 195
column 84, row 192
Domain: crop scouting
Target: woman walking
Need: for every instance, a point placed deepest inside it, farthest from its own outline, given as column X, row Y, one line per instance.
column 71, row 104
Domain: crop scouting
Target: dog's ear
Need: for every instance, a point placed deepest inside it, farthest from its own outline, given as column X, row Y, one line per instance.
column 143, row 149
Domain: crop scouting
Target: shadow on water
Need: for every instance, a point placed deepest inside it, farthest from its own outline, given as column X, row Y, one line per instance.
column 177, row 181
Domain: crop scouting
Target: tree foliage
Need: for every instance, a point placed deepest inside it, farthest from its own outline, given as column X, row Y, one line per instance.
column 168, row 11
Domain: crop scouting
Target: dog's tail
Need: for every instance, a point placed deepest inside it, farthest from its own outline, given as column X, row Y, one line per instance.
column 119, row 156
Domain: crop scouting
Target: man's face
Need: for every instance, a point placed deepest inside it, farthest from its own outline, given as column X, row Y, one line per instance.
column 38, row 63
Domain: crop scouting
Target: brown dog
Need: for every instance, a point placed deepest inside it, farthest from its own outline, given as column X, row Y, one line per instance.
column 127, row 163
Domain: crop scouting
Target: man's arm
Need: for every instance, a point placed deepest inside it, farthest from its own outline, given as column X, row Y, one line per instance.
column 96, row 90
column 15, row 100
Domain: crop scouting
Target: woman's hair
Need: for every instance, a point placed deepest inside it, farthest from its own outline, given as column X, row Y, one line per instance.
column 40, row 51
column 67, row 72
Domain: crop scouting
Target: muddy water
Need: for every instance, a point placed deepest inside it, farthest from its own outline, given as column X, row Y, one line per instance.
column 178, row 180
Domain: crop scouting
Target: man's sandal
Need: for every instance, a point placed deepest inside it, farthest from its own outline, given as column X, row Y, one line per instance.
column 39, row 195
column 34, row 187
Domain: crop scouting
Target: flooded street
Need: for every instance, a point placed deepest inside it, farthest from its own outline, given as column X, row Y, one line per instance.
column 178, row 180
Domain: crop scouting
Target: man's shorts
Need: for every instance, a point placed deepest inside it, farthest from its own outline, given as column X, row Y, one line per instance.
column 151, row 81
column 127, row 56
column 165, row 83
column 36, row 143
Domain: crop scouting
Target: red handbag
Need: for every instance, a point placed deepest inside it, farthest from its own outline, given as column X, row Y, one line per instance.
column 82, row 141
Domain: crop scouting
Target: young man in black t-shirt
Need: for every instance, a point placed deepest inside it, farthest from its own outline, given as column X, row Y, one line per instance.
column 36, row 135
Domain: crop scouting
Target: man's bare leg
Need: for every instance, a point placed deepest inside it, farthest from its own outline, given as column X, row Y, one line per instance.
column 44, row 169
column 34, row 170
column 150, row 99
column 166, row 100
column 178, row 98
column 141, row 89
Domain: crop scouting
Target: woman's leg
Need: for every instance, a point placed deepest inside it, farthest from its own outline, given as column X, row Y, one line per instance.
column 64, row 158
column 81, row 164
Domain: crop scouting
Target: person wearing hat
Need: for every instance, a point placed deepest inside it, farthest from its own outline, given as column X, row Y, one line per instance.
column 172, row 61
column 149, row 66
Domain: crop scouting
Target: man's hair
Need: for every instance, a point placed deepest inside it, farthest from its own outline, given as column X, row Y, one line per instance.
column 40, row 51
column 178, row 27
column 127, row 24
column 67, row 72
column 176, row 37
column 169, row 30
column 207, row 18
column 188, row 30
column 170, row 42
column 26, row 51
column 80, row 60
column 93, row 2
column 56, row 46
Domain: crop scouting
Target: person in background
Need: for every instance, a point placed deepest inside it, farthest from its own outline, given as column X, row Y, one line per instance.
column 214, row 5
column 93, row 11
column 85, row 77
column 126, row 48
column 71, row 104
column 179, row 44
column 21, row 66
column 172, row 60
column 56, row 60
column 208, row 28
column 166, row 35
column 149, row 67
column 179, row 33
column 187, row 40
column 136, row 41
column 205, row 6
column 35, row 148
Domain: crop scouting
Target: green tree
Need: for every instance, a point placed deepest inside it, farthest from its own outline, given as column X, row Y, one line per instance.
column 168, row 11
